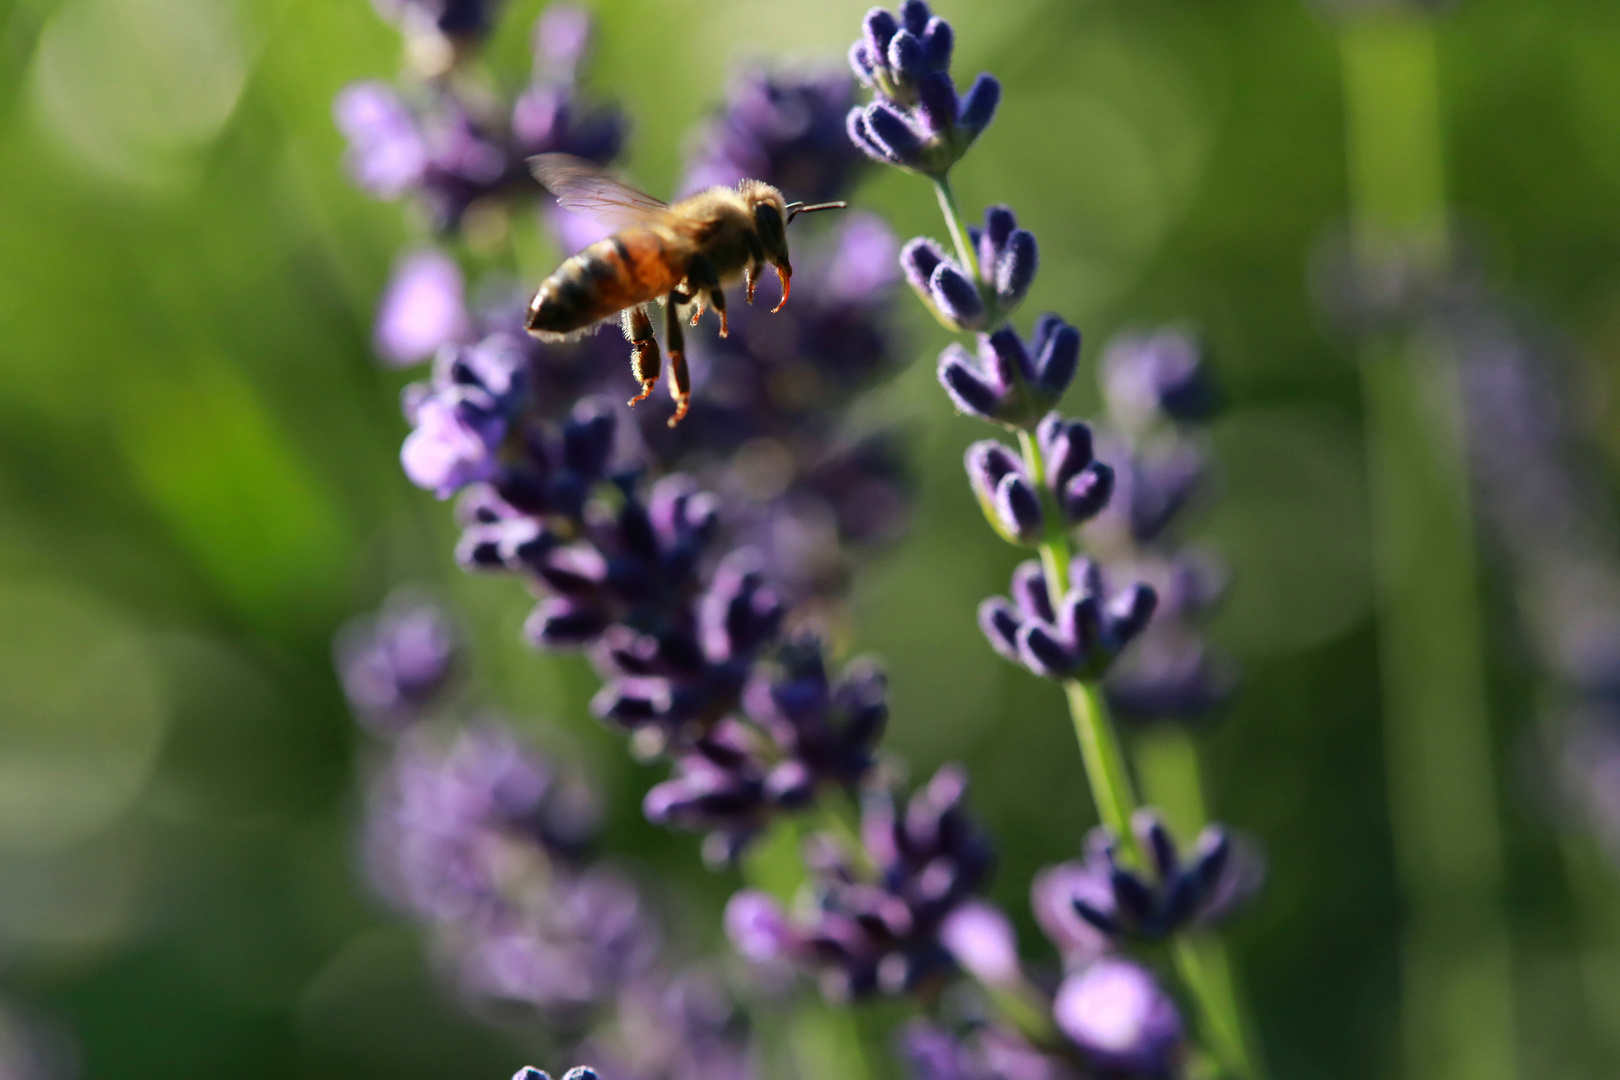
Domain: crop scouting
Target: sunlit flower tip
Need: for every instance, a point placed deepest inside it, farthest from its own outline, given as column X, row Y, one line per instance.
column 981, row 938
column 938, row 39
column 979, row 105
column 1120, row 1018
column 1163, row 374
column 1008, row 498
column 529, row 1072
column 422, row 309
column 580, row 1072
column 956, row 297
column 758, row 927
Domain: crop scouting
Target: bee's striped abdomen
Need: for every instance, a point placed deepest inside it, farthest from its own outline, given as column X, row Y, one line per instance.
column 626, row 269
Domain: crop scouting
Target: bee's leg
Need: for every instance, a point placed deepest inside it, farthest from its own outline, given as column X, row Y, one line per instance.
column 756, row 259
column 680, row 382
column 644, row 364
column 704, row 283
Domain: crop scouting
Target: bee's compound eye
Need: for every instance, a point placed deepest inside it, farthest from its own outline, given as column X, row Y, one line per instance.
column 772, row 231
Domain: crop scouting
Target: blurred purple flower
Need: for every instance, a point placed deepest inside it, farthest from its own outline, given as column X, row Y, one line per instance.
column 422, row 309
column 1121, row 1019
column 397, row 663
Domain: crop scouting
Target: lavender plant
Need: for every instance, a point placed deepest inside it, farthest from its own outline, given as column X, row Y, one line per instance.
column 1069, row 618
column 694, row 569
column 491, row 846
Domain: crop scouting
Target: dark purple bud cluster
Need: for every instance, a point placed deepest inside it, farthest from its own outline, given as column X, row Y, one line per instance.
column 1079, row 486
column 453, row 150
column 1152, row 906
column 1008, row 382
column 808, row 733
column 1007, row 256
column 397, row 664
column 788, row 132
column 917, row 120
column 1159, row 391
column 875, row 919
column 578, row 1072
column 1080, row 635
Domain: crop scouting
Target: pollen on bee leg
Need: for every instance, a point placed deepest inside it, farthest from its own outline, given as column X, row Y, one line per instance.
column 786, row 278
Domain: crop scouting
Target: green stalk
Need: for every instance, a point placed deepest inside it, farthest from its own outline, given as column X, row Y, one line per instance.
column 1457, row 1011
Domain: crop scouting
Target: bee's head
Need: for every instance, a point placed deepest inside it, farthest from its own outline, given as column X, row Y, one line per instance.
column 770, row 215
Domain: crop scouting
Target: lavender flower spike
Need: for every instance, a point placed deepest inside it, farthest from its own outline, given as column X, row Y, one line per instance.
column 396, row 664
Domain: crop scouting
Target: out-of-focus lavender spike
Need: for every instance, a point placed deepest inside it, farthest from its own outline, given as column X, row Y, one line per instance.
column 422, row 309
column 1121, row 1019
column 398, row 663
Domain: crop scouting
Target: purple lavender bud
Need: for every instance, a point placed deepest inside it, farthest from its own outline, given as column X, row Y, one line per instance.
column 421, row 309
column 905, row 57
column 1066, row 446
column 937, row 103
column 1128, row 614
column 757, row 926
column 1120, row 1018
column 860, row 133
column 1010, row 356
column 558, row 624
column 970, row 388
column 987, row 462
column 892, row 131
column 1043, row 652
column 529, row 1072
column 740, row 612
column 395, row 664
column 451, row 446
column 1014, row 271
column 1163, row 374
column 999, row 222
column 1018, row 513
column 914, row 15
column 1029, row 592
column 879, row 28
column 860, row 62
column 1000, row 622
column 938, row 39
column 386, row 154
column 918, row 260
column 580, row 1072
column 979, row 105
column 562, row 37
column 981, row 938
column 1081, row 625
column 1059, row 895
column 1057, row 354
column 955, row 296
column 1087, row 493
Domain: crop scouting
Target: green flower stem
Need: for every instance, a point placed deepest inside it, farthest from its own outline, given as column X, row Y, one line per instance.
column 1104, row 759
column 1457, row 1010
column 953, row 221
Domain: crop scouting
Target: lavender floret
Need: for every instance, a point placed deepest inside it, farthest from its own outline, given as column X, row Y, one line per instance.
column 1009, row 382
column 1121, row 1019
column 1079, row 635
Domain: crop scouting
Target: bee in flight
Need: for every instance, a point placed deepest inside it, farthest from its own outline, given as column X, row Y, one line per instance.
column 661, row 254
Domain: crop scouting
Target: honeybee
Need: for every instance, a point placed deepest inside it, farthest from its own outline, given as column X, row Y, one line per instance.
column 661, row 254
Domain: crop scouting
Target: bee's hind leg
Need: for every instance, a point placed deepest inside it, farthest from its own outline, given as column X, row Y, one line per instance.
column 680, row 381
column 644, row 361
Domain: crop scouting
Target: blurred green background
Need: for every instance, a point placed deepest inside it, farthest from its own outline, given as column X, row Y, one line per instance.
column 199, row 482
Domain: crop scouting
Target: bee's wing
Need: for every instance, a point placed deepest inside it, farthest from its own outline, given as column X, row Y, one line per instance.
column 585, row 189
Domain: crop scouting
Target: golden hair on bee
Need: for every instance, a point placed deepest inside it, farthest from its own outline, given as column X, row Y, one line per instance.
column 659, row 255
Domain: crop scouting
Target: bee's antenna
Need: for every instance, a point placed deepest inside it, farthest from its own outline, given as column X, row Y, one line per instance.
column 794, row 209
